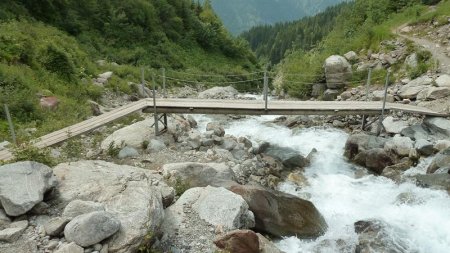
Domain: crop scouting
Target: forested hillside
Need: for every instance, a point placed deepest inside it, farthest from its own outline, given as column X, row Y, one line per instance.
column 50, row 47
column 239, row 16
column 271, row 42
column 360, row 26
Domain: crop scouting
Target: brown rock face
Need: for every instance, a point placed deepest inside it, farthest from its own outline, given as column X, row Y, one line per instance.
column 282, row 214
column 239, row 241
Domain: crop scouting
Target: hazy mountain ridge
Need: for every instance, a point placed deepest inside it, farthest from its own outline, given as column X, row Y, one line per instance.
column 239, row 16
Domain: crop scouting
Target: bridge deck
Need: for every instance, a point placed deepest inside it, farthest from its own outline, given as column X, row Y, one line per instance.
column 243, row 107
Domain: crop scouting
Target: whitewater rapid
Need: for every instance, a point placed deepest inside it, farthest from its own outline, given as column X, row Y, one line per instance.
column 343, row 198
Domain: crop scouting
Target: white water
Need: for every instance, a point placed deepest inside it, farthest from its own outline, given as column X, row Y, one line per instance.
column 342, row 199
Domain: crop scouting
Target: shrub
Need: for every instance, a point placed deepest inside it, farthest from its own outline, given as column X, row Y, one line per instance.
column 30, row 153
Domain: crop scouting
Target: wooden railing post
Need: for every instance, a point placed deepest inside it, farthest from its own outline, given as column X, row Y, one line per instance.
column 380, row 122
column 155, row 113
column 164, row 82
column 266, row 89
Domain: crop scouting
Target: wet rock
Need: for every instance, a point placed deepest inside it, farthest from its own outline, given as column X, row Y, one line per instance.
column 290, row 158
column 266, row 246
column 434, row 181
column 55, row 226
column 361, row 142
column 216, row 128
column 115, row 186
column 13, row 232
column 70, row 248
column 282, row 214
column 374, row 159
column 337, row 71
column 239, row 241
column 424, row 147
column 198, row 174
column 219, row 93
column 399, row 145
column 298, row 179
column 396, row 171
column 89, row 229
column 79, row 207
column 394, row 126
column 441, row 160
column 376, row 236
column 30, row 181
column 127, row 152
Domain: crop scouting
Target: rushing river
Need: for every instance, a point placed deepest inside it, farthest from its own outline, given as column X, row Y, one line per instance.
column 343, row 198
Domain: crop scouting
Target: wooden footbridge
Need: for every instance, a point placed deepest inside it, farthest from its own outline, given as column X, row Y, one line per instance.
column 241, row 107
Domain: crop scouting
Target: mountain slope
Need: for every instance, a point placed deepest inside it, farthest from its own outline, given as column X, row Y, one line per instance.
column 239, row 16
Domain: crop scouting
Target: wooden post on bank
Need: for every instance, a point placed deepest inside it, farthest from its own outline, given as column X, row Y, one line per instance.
column 164, row 82
column 369, row 77
column 266, row 89
column 380, row 122
column 11, row 125
column 155, row 113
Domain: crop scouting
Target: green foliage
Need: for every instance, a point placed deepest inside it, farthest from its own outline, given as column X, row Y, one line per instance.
column 113, row 149
column 73, row 148
column 180, row 186
column 31, row 153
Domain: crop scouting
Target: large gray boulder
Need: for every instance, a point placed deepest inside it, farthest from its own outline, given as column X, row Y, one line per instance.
column 443, row 81
column 424, row 147
column 219, row 93
column 400, row 146
column 441, row 160
column 191, row 175
column 22, row 186
column 434, row 93
column 434, row 181
column 337, row 71
column 413, row 88
column 70, row 248
column 282, row 214
column 376, row 159
column 394, row 126
column 13, row 232
column 132, row 195
column 132, row 136
column 79, row 207
column 362, row 142
column 203, row 212
column 290, row 158
column 89, row 229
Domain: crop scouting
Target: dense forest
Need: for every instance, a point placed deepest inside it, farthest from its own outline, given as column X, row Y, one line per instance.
column 272, row 42
column 50, row 47
column 239, row 16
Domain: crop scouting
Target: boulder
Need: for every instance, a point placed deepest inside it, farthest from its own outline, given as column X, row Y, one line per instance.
column 13, row 232
column 351, row 56
column 424, row 147
column 318, row 89
column 441, row 145
column 410, row 91
column 131, row 136
column 79, row 207
column 290, row 158
column 441, row 160
column 346, row 95
column 91, row 228
column 434, row 93
column 197, row 211
column 361, row 142
column 396, row 171
column 416, row 132
column 23, row 185
column 282, row 214
column 330, row 94
column 55, row 226
column 337, row 71
column 239, row 241
column 219, row 93
column 377, row 236
column 411, row 60
column 70, row 248
column 374, row 159
column 199, row 174
column 132, row 195
column 194, row 140
column 443, row 81
column 127, row 152
column 178, row 127
column 156, row 146
column 106, row 75
column 266, row 246
column 434, row 181
column 400, row 146
column 393, row 126
column 438, row 126
column 216, row 128
column 421, row 81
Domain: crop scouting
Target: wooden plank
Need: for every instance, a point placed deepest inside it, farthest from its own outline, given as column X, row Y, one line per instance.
column 247, row 107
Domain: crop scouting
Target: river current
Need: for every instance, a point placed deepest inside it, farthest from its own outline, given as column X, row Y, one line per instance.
column 344, row 197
